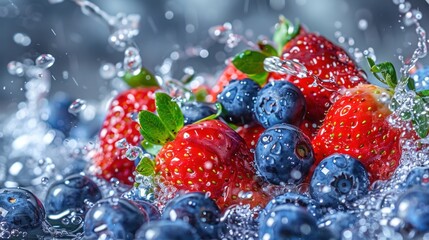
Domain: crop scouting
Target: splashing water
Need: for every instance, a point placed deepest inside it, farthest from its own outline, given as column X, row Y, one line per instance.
column 77, row 106
column 45, row 61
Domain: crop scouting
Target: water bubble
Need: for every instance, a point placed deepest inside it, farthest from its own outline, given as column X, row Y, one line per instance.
column 107, row 71
column 22, row 39
column 291, row 67
column 45, row 61
column 132, row 61
column 363, row 24
column 122, row 143
column 15, row 68
column 404, row 7
column 77, row 106
column 45, row 180
column 133, row 153
column 221, row 33
column 169, row 15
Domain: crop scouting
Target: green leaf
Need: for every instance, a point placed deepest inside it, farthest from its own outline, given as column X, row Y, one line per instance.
column 260, row 78
column 143, row 79
column 150, row 147
column 423, row 93
column 152, row 128
column 213, row 116
column 201, row 94
column 169, row 112
column 250, row 62
column 387, row 71
column 267, row 49
column 411, row 84
column 420, row 117
column 285, row 30
column 146, row 167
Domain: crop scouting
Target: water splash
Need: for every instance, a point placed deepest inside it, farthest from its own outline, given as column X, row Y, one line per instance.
column 45, row 61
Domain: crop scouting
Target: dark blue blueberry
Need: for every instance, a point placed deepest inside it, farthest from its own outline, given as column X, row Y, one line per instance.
column 337, row 180
column 195, row 111
column 413, row 207
column 337, row 222
column 419, row 176
column 167, row 230
column 295, row 199
column 21, row 209
column 421, row 79
column 198, row 210
column 77, row 166
column 68, row 199
column 238, row 99
column 280, row 102
column 150, row 209
column 283, row 154
column 288, row 222
column 113, row 218
column 59, row 116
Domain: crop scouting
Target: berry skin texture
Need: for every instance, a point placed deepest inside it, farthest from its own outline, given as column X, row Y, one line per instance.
column 288, row 222
column 198, row 210
column 357, row 125
column 325, row 60
column 418, row 176
column 413, row 207
column 113, row 218
column 21, row 210
column 118, row 125
column 337, row 222
column 194, row 111
column 237, row 100
column 208, row 157
column 250, row 134
column 167, row 230
column 279, row 102
column 283, row 155
column 337, row 180
column 229, row 73
column 70, row 194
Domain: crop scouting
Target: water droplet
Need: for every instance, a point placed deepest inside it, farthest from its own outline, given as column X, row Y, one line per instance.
column 122, row 143
column 107, row 71
column 77, row 106
column 15, row 68
column 363, row 24
column 132, row 61
column 169, row 15
column 291, row 67
column 45, row 180
column 45, row 61
column 133, row 153
column 221, row 33
column 22, row 39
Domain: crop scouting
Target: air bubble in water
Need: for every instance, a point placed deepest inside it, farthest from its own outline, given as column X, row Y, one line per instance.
column 132, row 61
column 77, row 106
column 363, row 24
column 122, row 143
column 221, row 33
column 133, row 153
column 22, row 39
column 107, row 71
column 15, row 68
column 45, row 61
column 291, row 67
column 45, row 180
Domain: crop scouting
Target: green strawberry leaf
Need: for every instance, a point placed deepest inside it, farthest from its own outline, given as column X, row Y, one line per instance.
column 213, row 116
column 250, row 62
column 420, row 117
column 152, row 128
column 169, row 112
column 411, row 84
column 260, row 78
column 423, row 93
column 150, row 147
column 146, row 167
column 285, row 31
column 143, row 79
column 387, row 71
column 267, row 49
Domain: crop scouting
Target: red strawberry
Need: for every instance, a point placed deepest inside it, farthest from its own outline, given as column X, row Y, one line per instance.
column 230, row 73
column 250, row 134
column 356, row 125
column 117, row 125
column 208, row 157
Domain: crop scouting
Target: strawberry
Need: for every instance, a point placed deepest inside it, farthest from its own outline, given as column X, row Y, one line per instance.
column 119, row 124
column 356, row 124
column 250, row 134
column 322, row 59
column 228, row 74
column 206, row 156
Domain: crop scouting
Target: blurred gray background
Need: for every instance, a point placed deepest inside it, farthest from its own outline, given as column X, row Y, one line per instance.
column 80, row 42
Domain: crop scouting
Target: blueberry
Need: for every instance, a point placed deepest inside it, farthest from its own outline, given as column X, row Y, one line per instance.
column 167, row 230
column 283, row 154
column 295, row 199
column 288, row 222
column 150, row 209
column 419, row 176
column 237, row 100
column 337, row 222
column 337, row 180
column 67, row 200
column 194, row 111
column 413, row 207
column 21, row 210
column 113, row 218
column 78, row 165
column 59, row 117
column 198, row 210
column 279, row 102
